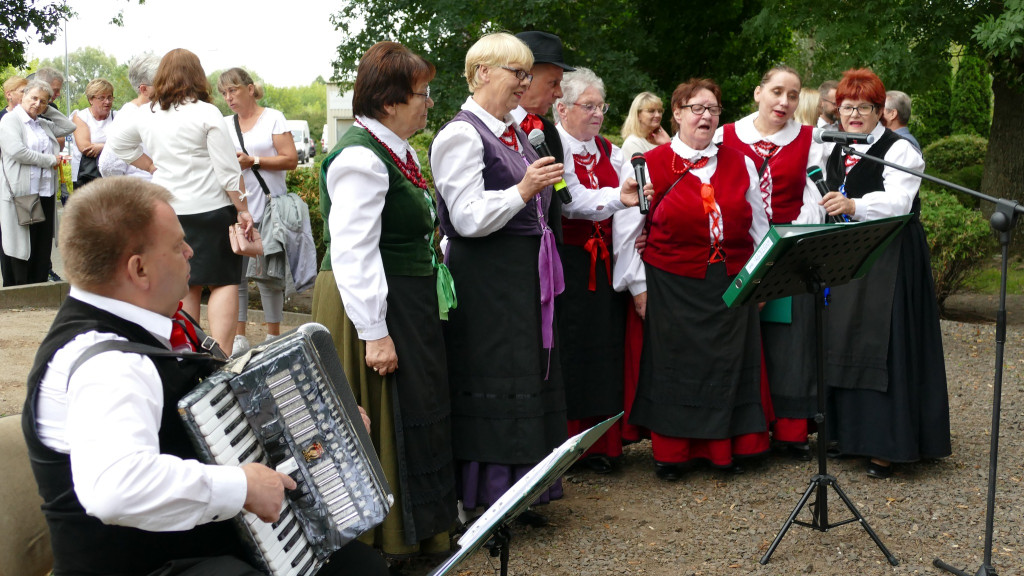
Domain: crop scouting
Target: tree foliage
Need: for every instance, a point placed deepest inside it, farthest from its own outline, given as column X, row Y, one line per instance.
column 970, row 109
column 87, row 64
column 631, row 47
column 19, row 17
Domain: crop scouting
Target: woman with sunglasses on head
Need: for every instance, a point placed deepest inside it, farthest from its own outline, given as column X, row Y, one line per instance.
column 494, row 195
column 700, row 383
column 381, row 291
column 783, row 150
column 886, row 372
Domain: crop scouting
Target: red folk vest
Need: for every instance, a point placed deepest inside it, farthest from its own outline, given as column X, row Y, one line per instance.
column 789, row 171
column 678, row 240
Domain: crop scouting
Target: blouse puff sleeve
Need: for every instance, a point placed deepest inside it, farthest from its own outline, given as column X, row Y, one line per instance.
column 357, row 182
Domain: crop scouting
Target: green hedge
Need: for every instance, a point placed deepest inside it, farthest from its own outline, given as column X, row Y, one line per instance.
column 306, row 183
column 958, row 237
column 959, row 159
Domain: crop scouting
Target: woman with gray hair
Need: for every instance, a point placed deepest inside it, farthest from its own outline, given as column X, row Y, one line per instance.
column 28, row 138
column 140, row 75
column 591, row 312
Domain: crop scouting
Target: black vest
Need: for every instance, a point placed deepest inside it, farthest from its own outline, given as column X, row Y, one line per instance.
column 866, row 176
column 82, row 545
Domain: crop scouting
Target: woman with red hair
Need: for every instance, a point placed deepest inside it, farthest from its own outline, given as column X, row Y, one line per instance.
column 885, row 368
column 699, row 391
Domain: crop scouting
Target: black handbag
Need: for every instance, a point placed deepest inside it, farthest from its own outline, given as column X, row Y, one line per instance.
column 88, row 170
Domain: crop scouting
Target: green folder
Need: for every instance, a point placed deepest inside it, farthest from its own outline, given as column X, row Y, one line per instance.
column 810, row 246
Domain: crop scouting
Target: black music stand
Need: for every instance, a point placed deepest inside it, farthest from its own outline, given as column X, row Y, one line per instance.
column 795, row 259
column 493, row 525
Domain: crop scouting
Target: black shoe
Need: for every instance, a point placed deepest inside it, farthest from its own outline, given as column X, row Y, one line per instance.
column 53, row 276
column 800, row 452
column 531, row 518
column 598, row 463
column 736, row 469
column 669, row 472
column 879, row 471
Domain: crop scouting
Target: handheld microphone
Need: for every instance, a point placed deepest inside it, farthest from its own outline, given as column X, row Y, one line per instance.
column 639, row 162
column 845, row 138
column 814, row 173
column 536, row 138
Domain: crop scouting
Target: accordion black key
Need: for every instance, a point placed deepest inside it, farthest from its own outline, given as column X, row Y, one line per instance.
column 287, row 404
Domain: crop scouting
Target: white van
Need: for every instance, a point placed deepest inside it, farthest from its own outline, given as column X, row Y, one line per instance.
column 300, row 133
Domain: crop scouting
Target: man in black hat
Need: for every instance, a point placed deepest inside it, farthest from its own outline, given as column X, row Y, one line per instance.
column 548, row 66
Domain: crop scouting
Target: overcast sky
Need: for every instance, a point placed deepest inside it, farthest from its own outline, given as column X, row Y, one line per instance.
column 285, row 47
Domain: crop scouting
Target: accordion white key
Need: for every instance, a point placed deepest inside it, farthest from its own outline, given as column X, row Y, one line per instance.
column 288, row 405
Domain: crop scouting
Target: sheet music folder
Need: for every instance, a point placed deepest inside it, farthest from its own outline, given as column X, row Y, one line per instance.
column 835, row 252
column 523, row 493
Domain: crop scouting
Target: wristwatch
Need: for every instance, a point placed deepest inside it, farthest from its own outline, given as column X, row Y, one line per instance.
column 256, row 161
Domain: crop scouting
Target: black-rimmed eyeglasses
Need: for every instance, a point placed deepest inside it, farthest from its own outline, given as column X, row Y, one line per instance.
column 699, row 109
column 864, row 109
column 519, row 73
column 424, row 94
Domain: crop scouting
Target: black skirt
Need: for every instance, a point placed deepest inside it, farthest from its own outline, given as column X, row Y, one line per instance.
column 508, row 404
column 700, row 370
column 790, row 358
column 592, row 330
column 908, row 418
column 213, row 262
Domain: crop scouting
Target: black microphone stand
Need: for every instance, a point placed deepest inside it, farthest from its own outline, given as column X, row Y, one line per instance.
column 1003, row 221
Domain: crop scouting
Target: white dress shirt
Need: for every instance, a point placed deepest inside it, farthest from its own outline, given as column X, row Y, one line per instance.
column 358, row 182
column 107, row 418
column 109, row 163
column 457, row 163
column 587, row 203
column 897, row 198
column 192, row 151
column 810, row 212
column 36, row 140
column 632, row 274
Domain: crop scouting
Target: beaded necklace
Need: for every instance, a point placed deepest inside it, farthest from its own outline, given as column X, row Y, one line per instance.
column 409, row 168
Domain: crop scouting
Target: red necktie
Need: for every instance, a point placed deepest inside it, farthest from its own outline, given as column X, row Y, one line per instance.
column 530, row 123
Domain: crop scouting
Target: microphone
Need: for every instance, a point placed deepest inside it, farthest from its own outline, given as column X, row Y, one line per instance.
column 536, row 138
column 814, row 173
column 639, row 162
column 845, row 138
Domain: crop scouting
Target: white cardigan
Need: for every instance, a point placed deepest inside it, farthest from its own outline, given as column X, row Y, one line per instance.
column 16, row 174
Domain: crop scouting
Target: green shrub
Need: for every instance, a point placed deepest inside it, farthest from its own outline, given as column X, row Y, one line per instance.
column 930, row 118
column 958, row 238
column 306, row 183
column 958, row 159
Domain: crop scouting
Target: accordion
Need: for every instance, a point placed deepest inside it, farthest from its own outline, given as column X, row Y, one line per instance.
column 287, row 404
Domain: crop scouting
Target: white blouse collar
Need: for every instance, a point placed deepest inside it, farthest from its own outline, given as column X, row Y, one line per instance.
column 748, row 134
column 400, row 147
column 687, row 153
column 577, row 146
column 495, row 125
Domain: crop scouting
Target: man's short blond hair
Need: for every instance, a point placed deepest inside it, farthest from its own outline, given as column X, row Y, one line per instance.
column 105, row 223
column 498, row 49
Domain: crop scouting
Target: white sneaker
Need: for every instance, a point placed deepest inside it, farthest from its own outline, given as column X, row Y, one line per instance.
column 241, row 344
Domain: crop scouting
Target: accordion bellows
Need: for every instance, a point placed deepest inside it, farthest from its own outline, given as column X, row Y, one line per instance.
column 288, row 405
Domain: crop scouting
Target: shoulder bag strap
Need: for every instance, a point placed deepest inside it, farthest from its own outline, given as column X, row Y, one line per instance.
column 255, row 169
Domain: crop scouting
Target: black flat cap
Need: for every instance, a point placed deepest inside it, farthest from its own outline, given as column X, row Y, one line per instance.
column 546, row 48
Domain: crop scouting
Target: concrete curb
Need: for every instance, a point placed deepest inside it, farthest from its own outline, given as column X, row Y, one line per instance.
column 52, row 294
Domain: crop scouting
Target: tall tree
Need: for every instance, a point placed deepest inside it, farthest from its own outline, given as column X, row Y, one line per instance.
column 632, row 48
column 86, row 64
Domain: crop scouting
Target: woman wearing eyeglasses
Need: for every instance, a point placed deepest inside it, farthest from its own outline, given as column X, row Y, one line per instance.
column 885, row 364
column 90, row 131
column 699, row 391
column 378, row 292
column 783, row 150
column 494, row 195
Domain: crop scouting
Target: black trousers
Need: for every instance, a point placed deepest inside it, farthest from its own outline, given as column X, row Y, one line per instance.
column 354, row 559
column 40, row 237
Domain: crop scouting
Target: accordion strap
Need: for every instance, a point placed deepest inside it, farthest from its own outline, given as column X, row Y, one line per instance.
column 136, row 348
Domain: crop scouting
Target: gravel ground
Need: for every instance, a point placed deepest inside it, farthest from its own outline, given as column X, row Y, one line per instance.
column 710, row 522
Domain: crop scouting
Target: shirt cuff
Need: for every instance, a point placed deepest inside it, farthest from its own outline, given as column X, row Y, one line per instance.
column 514, row 200
column 228, row 490
column 374, row 331
column 637, row 288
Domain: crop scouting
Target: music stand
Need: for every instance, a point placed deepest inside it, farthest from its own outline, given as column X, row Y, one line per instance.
column 494, row 523
column 793, row 259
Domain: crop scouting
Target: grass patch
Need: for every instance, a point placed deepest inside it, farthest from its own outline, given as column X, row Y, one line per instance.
column 985, row 280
